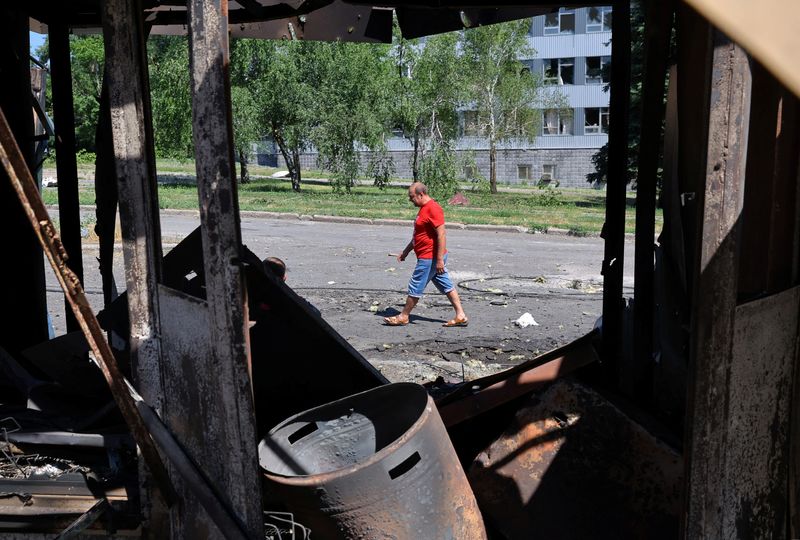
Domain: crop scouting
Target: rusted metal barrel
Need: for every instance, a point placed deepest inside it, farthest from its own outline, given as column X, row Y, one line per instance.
column 375, row 465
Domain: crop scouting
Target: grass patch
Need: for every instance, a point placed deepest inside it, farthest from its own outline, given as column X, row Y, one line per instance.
column 580, row 211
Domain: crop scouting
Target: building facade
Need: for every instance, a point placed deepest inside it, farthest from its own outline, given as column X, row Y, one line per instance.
column 572, row 54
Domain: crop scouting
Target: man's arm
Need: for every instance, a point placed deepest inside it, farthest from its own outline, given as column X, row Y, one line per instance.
column 406, row 251
column 441, row 245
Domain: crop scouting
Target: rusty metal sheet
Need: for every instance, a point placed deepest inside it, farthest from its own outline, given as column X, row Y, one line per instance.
column 490, row 392
column 758, row 422
column 572, row 465
column 186, row 411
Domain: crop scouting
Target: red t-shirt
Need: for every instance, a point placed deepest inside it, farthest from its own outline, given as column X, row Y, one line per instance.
column 429, row 217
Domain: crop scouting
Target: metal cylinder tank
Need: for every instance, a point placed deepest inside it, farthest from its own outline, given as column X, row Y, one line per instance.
column 375, row 465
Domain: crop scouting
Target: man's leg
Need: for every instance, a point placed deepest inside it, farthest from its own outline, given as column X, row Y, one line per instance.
column 456, row 302
column 411, row 303
column 416, row 286
column 445, row 285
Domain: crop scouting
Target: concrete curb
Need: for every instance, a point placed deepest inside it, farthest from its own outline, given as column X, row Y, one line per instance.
column 454, row 225
column 496, row 228
column 255, row 214
column 388, row 221
column 343, row 219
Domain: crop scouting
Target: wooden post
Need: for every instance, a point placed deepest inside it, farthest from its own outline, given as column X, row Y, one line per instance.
column 69, row 214
column 658, row 25
column 105, row 189
column 232, row 429
column 22, row 271
column 135, row 166
column 614, row 227
column 134, row 158
column 715, row 290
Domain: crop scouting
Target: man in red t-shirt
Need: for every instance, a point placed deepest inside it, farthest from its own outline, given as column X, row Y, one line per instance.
column 429, row 245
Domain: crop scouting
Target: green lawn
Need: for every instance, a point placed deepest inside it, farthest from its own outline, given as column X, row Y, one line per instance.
column 579, row 210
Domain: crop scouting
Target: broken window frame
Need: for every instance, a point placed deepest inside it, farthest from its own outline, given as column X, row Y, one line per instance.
column 556, row 23
column 557, row 122
column 555, row 69
column 598, row 125
column 600, row 24
column 598, row 75
column 523, row 172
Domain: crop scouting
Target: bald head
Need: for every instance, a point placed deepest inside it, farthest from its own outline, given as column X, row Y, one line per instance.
column 418, row 194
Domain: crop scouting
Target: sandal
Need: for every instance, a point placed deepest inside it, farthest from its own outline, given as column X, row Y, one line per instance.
column 395, row 321
column 463, row 321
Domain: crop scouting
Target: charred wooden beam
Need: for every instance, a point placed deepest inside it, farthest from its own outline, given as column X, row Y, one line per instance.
column 715, row 289
column 105, row 189
column 614, row 227
column 22, row 273
column 128, row 89
column 131, row 128
column 233, row 427
column 69, row 214
column 658, row 26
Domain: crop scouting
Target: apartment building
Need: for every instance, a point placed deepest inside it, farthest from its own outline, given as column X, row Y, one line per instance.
column 572, row 53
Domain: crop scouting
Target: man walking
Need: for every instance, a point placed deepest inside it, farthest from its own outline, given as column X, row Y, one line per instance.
column 429, row 245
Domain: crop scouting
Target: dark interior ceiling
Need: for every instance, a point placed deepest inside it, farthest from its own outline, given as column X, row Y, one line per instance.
column 322, row 20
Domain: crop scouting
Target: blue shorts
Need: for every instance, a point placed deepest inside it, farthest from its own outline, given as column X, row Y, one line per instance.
column 424, row 272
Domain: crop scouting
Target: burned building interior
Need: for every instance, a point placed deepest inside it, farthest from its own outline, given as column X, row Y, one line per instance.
column 677, row 418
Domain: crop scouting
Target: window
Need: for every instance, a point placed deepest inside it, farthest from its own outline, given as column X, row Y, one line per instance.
column 597, row 69
column 471, row 124
column 596, row 121
column 470, row 172
column 559, row 71
column 523, row 172
column 562, row 22
column 548, row 172
column 557, row 122
column 598, row 19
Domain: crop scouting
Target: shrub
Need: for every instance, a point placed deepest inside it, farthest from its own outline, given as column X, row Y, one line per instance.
column 439, row 172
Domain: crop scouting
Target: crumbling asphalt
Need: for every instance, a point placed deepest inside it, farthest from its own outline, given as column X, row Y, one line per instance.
column 341, row 265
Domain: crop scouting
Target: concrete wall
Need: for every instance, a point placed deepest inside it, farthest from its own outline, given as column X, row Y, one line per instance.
column 572, row 165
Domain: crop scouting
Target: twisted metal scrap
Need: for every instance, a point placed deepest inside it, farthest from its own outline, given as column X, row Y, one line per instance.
column 34, row 208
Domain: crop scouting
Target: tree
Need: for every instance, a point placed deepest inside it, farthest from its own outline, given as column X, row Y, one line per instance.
column 503, row 91
column 430, row 87
column 352, row 97
column 245, row 127
column 170, row 96
column 600, row 158
column 87, row 61
column 246, row 70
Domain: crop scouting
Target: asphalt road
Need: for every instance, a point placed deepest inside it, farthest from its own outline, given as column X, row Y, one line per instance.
column 344, row 269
